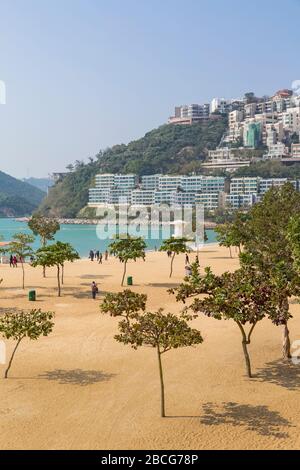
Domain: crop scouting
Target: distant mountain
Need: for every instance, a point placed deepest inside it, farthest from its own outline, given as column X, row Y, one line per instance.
column 17, row 198
column 41, row 183
column 168, row 149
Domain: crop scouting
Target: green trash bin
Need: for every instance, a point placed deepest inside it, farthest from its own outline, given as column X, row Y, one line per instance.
column 129, row 281
column 32, row 295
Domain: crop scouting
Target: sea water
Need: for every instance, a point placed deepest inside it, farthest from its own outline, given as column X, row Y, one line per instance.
column 88, row 237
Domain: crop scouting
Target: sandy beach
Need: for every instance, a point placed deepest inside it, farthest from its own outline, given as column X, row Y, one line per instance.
column 80, row 389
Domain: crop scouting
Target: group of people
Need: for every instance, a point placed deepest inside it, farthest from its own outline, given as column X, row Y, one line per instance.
column 13, row 261
column 98, row 256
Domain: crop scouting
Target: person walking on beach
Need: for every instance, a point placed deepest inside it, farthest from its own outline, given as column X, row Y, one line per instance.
column 94, row 288
column 91, row 255
column 97, row 255
column 106, row 255
column 187, row 260
column 11, row 261
column 100, row 258
column 15, row 262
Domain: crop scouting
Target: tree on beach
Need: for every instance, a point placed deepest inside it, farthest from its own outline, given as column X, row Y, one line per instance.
column 18, row 326
column 21, row 247
column 175, row 246
column 125, row 304
column 268, row 250
column 55, row 255
column 159, row 330
column 232, row 234
column 244, row 296
column 126, row 248
column 45, row 228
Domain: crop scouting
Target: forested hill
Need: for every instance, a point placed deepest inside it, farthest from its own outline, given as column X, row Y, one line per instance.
column 18, row 198
column 168, row 149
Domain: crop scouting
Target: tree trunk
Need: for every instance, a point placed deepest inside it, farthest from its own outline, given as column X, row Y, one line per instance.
column 23, row 274
column 245, row 349
column 162, row 386
column 286, row 343
column 230, row 252
column 172, row 260
column 58, row 280
column 44, row 267
column 124, row 272
column 12, row 357
column 247, row 359
column 62, row 274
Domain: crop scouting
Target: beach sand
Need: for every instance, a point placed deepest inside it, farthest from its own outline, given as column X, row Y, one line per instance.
column 80, row 389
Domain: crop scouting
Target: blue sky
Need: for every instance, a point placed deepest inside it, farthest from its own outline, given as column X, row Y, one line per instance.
column 82, row 75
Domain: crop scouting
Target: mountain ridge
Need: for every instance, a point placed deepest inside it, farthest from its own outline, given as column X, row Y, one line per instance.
column 18, row 198
column 167, row 149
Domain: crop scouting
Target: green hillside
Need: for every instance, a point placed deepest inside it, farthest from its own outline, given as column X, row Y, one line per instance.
column 18, row 198
column 168, row 149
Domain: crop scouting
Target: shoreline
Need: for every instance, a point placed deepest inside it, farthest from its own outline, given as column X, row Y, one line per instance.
column 69, row 221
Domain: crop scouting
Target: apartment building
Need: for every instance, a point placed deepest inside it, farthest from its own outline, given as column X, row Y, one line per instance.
column 163, row 196
column 120, row 195
column 220, row 154
column 213, row 184
column 99, row 196
column 295, row 150
column 109, row 180
column 106, row 180
column 291, row 120
column 188, row 114
column 278, row 150
column 211, row 191
column 144, row 197
column 245, row 185
column 150, row 181
column 195, row 111
column 266, row 184
column 237, row 201
column 169, row 183
column 129, row 181
column 210, row 201
column 182, row 198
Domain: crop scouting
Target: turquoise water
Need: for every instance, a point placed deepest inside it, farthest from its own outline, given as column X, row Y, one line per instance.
column 85, row 237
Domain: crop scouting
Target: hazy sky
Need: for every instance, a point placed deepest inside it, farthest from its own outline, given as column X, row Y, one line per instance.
column 82, row 75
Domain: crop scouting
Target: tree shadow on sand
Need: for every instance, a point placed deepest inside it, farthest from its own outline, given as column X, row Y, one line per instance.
column 76, row 376
column 283, row 373
column 253, row 418
column 166, row 285
column 94, row 276
column 4, row 310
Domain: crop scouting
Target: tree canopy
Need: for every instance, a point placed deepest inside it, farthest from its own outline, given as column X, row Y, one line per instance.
column 20, row 325
column 126, row 248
